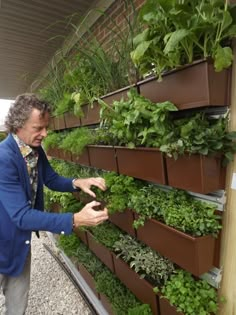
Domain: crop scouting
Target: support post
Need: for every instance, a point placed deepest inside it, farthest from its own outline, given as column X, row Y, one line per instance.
column 228, row 244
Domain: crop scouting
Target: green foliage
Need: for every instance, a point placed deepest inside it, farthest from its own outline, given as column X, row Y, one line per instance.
column 145, row 261
column 137, row 121
column 66, row 169
column 67, row 201
column 143, row 309
column 85, row 257
column 119, row 190
column 106, row 234
column 175, row 208
column 190, row 296
column 120, row 297
column 69, row 244
column 77, row 140
column 53, row 88
column 203, row 135
column 65, row 104
column 93, row 69
column 3, row 135
column 179, row 32
column 52, row 140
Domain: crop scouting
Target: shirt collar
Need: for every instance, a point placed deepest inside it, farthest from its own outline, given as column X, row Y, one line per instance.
column 25, row 149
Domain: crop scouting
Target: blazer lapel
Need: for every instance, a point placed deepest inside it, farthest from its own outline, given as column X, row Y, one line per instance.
column 23, row 172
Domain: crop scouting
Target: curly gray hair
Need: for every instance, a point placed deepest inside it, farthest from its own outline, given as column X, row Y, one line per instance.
column 21, row 109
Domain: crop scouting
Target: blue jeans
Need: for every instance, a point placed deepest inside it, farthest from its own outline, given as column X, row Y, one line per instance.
column 16, row 290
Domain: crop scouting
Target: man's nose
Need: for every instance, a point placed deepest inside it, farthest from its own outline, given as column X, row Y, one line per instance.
column 44, row 132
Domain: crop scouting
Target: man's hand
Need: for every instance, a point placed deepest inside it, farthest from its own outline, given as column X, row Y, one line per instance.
column 86, row 183
column 90, row 217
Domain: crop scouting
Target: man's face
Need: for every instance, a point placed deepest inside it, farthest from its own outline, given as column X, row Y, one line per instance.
column 35, row 129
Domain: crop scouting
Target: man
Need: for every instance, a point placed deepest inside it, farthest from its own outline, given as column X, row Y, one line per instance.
column 24, row 169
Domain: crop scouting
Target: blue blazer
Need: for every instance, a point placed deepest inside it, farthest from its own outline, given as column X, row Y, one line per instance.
column 17, row 217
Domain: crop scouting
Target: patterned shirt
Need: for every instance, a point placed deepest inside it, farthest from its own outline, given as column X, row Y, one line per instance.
column 30, row 156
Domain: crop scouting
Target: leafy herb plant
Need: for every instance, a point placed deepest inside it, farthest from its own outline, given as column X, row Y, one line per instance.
column 179, row 32
column 190, row 296
column 175, row 208
column 145, row 261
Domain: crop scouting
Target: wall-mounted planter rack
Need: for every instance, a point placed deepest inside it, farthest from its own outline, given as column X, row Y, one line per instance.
column 191, row 86
column 194, row 254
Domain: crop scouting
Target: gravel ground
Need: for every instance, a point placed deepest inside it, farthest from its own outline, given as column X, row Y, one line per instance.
column 52, row 292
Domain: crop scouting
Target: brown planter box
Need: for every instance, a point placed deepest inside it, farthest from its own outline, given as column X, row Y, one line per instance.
column 142, row 163
column 166, row 308
column 196, row 173
column 89, row 279
column 51, row 123
column 59, row 122
column 71, row 120
column 55, row 207
column 82, row 235
column 106, row 303
column 81, row 159
column 191, row 86
column 91, row 115
column 65, row 155
column 194, row 254
column 53, row 152
column 117, row 95
column 103, row 253
column 142, row 289
column 102, row 157
column 124, row 220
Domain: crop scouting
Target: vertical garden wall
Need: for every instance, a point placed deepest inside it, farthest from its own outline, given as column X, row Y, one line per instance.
column 144, row 100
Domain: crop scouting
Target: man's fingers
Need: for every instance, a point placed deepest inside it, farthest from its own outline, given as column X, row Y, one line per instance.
column 99, row 182
column 93, row 203
column 89, row 192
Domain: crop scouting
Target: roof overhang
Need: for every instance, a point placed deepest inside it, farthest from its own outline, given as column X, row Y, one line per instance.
column 31, row 32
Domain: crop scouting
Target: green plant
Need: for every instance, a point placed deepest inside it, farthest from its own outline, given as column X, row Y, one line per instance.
column 3, row 135
column 76, row 140
column 67, row 169
column 67, row 201
column 143, row 309
column 178, row 32
column 51, row 141
column 175, row 208
column 145, row 261
column 85, row 257
column 188, row 295
column 119, row 190
column 137, row 121
column 95, row 68
column 202, row 135
column 122, row 300
column 66, row 103
column 53, row 87
column 69, row 244
column 106, row 234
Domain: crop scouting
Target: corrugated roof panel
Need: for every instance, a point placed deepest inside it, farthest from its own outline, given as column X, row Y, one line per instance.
column 30, row 33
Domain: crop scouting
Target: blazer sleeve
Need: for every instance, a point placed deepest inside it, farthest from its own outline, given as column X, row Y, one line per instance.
column 15, row 203
column 50, row 178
